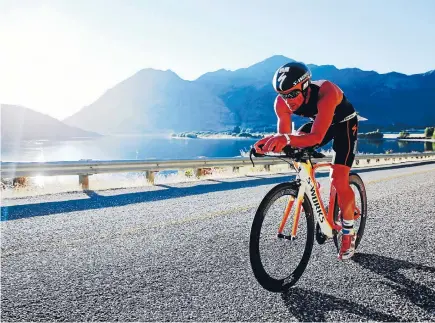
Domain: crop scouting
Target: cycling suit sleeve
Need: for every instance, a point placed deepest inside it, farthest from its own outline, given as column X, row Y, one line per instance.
column 329, row 97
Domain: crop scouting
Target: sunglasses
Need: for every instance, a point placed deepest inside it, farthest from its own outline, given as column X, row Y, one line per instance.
column 291, row 95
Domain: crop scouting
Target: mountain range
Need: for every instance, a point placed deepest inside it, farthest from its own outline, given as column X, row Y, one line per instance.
column 153, row 100
column 20, row 123
column 160, row 101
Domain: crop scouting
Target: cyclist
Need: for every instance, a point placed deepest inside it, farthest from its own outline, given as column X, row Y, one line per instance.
column 333, row 118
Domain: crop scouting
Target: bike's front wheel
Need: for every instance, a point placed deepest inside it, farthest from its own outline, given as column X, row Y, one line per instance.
column 276, row 261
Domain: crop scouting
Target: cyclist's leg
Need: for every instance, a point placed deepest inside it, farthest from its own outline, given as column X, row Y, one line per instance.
column 345, row 147
column 346, row 199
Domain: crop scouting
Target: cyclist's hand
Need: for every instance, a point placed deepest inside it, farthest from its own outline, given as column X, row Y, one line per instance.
column 259, row 144
column 275, row 144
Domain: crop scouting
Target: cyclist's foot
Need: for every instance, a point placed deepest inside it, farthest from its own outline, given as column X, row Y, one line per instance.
column 347, row 249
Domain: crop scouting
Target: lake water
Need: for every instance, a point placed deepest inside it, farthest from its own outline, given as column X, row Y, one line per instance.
column 143, row 147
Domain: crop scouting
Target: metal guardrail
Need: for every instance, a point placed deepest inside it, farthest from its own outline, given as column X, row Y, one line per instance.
column 84, row 168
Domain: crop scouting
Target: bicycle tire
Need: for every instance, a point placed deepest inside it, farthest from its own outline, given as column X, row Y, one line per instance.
column 354, row 179
column 262, row 276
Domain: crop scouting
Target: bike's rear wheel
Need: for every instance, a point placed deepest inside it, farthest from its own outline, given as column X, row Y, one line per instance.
column 278, row 263
column 358, row 188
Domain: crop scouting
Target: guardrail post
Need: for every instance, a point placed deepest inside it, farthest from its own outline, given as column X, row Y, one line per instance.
column 84, row 181
column 151, row 175
column 203, row 171
column 20, row 181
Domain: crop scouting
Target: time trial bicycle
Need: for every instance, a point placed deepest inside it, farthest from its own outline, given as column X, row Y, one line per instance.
column 292, row 214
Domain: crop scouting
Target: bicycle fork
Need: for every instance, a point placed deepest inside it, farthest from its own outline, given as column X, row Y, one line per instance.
column 307, row 188
column 299, row 201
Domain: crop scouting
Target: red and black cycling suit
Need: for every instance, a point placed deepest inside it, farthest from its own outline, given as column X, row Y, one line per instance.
column 336, row 122
column 333, row 118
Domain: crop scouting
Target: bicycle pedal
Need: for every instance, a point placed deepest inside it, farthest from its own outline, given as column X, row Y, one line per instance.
column 283, row 236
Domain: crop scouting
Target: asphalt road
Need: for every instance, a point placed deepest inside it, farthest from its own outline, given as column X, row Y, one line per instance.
column 180, row 253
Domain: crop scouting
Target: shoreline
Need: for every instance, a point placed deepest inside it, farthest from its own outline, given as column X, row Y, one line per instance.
column 416, row 139
column 223, row 136
column 253, row 138
column 218, row 137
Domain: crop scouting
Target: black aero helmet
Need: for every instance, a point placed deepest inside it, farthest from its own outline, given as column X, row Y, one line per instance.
column 292, row 76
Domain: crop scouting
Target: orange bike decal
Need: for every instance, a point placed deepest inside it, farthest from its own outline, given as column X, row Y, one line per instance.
column 286, row 213
column 296, row 217
column 319, row 165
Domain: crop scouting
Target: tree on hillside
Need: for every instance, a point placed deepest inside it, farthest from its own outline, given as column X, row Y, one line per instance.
column 428, row 132
column 236, row 129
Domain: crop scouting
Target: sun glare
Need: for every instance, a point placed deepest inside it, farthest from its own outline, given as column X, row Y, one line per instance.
column 40, row 58
column 39, row 181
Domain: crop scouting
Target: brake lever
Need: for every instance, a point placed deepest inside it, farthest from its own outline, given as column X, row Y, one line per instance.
column 253, row 152
column 317, row 154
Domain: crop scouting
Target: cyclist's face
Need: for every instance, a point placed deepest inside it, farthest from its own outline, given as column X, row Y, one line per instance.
column 295, row 103
column 294, row 98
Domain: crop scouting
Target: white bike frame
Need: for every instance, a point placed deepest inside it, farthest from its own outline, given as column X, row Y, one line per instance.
column 308, row 187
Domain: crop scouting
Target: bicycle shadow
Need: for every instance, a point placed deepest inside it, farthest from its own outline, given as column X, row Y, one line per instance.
column 417, row 293
column 312, row 306
column 298, row 300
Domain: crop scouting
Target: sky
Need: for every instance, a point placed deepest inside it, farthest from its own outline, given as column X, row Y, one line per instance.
column 57, row 56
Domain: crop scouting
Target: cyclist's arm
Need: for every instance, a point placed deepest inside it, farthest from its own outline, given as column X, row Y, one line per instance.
column 329, row 97
column 284, row 115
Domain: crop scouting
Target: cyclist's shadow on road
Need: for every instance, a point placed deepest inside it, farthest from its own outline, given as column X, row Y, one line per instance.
column 394, row 270
column 313, row 306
